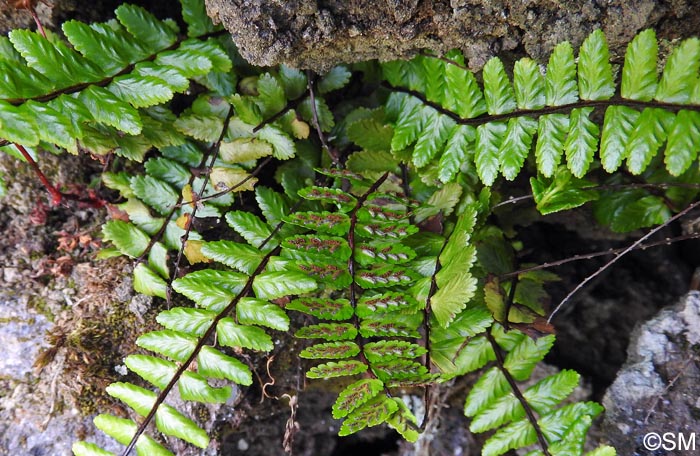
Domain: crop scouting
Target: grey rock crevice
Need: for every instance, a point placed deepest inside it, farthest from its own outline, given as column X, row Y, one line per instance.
column 319, row 34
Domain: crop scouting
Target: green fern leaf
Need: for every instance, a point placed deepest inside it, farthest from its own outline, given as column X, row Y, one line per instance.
column 335, row 79
column 168, row 420
column 172, row 77
column 148, row 30
column 498, row 91
column 528, row 84
column 680, row 73
column 282, row 144
column 595, row 78
column 212, row 49
column 294, row 81
column 195, row 15
column 463, row 97
column 154, row 370
column 323, row 113
column 372, row 413
column 647, row 136
column 515, row 435
column 450, row 354
column 548, row 392
column 62, row 65
column 387, row 302
column 432, row 137
column 109, row 48
column 241, row 257
column 231, row 334
column 155, row 193
column 122, row 430
column 409, row 124
column 524, row 356
column 551, row 137
column 173, row 344
column 271, row 95
column 126, row 237
column 214, row 364
column 189, row 63
column 251, row 311
column 194, row 387
column 395, row 325
column 326, row 309
column 331, row 350
column 516, row 145
column 18, row 126
column 639, row 71
column 561, row 193
column 343, row 200
column 556, row 423
column 106, row 108
column 452, row 297
column 388, row 350
column 209, row 288
column 625, row 211
column 355, row 395
column 272, row 205
column 253, row 230
column 328, row 331
column 200, row 126
column 458, row 151
column 488, row 142
column 337, row 369
column 89, row 449
column 148, row 282
column 404, row 422
column 166, row 170
column 433, row 72
column 582, row 141
column 490, row 386
column 186, row 320
column 141, row 91
column 20, row 81
column 619, row 121
column 683, row 142
column 327, row 222
column 278, row 284
column 560, row 80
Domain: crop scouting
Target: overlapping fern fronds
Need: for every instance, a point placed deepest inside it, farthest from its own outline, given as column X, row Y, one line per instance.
column 405, row 285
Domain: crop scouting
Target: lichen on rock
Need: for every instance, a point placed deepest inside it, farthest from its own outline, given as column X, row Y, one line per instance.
column 319, row 35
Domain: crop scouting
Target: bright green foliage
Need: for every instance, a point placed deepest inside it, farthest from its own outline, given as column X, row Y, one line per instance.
column 554, row 113
column 396, row 252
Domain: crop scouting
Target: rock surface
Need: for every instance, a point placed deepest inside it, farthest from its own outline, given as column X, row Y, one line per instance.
column 658, row 389
column 318, row 35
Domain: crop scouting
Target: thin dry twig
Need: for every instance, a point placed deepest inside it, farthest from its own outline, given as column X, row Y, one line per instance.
column 619, row 255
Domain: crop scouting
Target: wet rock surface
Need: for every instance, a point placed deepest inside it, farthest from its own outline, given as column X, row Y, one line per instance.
column 318, row 35
column 657, row 390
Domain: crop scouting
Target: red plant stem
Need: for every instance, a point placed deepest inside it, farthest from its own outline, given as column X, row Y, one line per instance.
column 38, row 22
column 56, row 196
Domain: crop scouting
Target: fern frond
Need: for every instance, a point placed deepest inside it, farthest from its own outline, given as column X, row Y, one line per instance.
column 560, row 106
